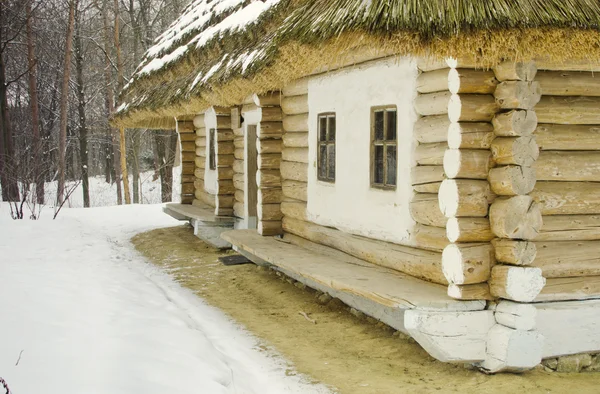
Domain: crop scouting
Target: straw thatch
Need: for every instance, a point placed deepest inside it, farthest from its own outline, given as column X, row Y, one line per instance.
column 293, row 38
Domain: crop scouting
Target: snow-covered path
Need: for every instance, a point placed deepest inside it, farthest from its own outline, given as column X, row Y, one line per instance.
column 86, row 314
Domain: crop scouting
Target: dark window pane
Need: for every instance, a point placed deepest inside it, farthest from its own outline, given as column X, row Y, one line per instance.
column 212, row 162
column 378, row 165
column 391, row 165
column 331, row 121
column 322, row 128
column 378, row 125
column 322, row 161
column 391, row 125
column 331, row 161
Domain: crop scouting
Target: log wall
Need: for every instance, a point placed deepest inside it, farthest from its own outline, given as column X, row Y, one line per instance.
column 188, row 157
column 238, row 165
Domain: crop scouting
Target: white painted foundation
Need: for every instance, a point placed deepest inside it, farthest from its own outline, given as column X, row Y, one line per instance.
column 350, row 204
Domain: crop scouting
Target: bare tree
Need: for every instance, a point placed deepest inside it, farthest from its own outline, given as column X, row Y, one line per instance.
column 62, row 144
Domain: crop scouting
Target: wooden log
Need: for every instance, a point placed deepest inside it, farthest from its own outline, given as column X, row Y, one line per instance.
column 224, row 148
column 239, row 195
column 427, row 64
column 295, row 140
column 269, row 228
column 221, row 111
column 187, row 178
column 521, row 151
column 294, row 210
column 187, row 137
column 236, row 118
column 225, row 187
column 469, row 230
column 569, row 83
column 184, row 126
column 516, row 315
column 568, row 166
column 570, row 228
column 200, row 142
column 296, row 87
column 249, row 107
column 514, row 123
column 205, row 197
column 269, row 130
column 430, row 154
column 299, row 155
column 467, row 80
column 517, row 217
column 467, row 163
column 199, row 121
column 188, row 156
column 430, row 129
column 224, row 122
column 187, row 199
column 415, row 262
column 268, row 178
column 269, row 161
column 224, row 173
column 295, row 190
column 294, row 105
column 268, row 146
column 238, row 209
column 294, row 171
column 224, row 204
column 199, row 173
column 271, row 114
column 225, row 160
column 224, row 135
column 432, row 103
column 239, row 181
column 517, row 94
column 199, row 185
column 515, row 71
column 187, row 168
column 479, row 291
column 512, row 180
column 567, row 137
column 567, row 198
column 238, row 154
column 521, row 284
column 433, row 81
column 269, row 212
column 238, row 143
column 188, row 146
column 296, row 123
column 424, row 209
column 472, row 108
column 467, row 135
column 465, row 198
column 187, row 188
column 271, row 195
column 201, row 132
column 201, row 152
column 427, row 179
column 568, row 258
column 465, row 264
column 508, row 251
column 268, row 99
column 569, row 110
column 565, row 289
column 429, row 238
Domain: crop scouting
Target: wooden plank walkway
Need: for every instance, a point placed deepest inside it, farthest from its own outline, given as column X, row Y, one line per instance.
column 195, row 212
column 382, row 286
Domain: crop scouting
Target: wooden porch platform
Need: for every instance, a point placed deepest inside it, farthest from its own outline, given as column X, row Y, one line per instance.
column 379, row 292
column 207, row 226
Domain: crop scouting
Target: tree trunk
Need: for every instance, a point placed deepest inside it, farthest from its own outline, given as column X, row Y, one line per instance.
column 35, row 112
column 83, row 132
column 136, row 136
column 122, row 144
column 62, row 141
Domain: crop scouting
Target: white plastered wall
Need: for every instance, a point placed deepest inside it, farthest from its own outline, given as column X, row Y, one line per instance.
column 210, row 176
column 351, row 204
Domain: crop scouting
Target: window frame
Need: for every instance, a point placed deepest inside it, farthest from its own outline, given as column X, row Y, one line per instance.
column 212, row 154
column 326, row 143
column 385, row 143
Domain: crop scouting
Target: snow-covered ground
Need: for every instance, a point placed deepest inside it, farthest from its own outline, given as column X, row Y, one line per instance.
column 82, row 312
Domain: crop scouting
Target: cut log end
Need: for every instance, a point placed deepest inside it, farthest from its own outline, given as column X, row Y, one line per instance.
column 517, row 217
column 467, row 264
column 509, row 251
column 521, row 284
column 512, row 180
column 515, row 123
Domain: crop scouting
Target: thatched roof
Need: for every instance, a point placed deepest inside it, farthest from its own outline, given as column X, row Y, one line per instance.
column 220, row 51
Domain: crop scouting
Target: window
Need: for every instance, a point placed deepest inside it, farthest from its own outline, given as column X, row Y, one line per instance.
column 383, row 147
column 212, row 159
column 326, row 148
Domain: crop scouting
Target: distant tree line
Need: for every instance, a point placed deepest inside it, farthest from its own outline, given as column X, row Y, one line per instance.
column 62, row 64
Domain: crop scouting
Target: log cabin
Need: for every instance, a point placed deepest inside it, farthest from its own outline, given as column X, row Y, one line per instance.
column 438, row 171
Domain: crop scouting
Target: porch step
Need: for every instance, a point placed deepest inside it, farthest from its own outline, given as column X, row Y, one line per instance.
column 207, row 226
column 379, row 292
